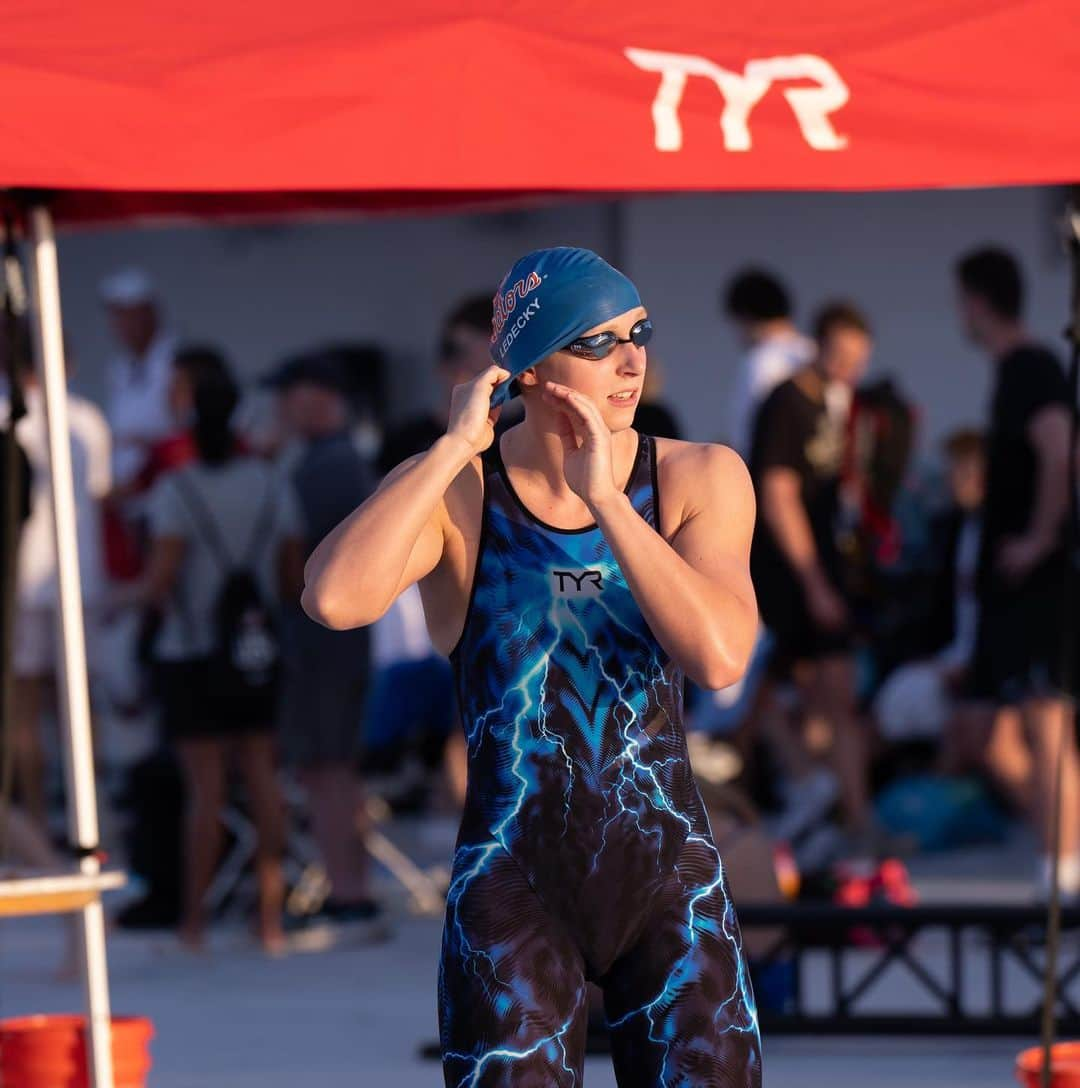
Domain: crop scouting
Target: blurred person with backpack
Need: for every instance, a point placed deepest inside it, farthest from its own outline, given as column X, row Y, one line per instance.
column 224, row 542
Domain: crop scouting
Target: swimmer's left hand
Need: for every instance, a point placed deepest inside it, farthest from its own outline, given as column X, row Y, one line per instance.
column 586, row 444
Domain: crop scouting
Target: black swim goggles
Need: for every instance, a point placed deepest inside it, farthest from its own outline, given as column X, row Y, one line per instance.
column 602, row 344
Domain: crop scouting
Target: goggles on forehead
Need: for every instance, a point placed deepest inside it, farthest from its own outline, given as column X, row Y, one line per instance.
column 602, row 344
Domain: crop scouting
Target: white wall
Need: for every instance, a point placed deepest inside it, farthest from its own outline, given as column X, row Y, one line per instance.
column 263, row 292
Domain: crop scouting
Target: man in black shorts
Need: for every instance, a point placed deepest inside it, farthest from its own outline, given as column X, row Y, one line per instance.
column 1022, row 562
column 795, row 462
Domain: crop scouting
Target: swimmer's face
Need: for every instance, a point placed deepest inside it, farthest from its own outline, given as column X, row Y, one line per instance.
column 622, row 371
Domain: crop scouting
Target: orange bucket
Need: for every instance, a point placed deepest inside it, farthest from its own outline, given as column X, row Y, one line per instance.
column 1064, row 1066
column 50, row 1051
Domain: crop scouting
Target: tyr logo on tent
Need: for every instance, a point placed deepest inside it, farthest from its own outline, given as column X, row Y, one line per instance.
column 741, row 93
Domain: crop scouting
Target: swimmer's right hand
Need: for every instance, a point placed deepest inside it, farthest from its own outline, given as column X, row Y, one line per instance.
column 471, row 416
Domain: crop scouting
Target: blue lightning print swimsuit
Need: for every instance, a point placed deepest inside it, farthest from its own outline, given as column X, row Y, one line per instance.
column 585, row 852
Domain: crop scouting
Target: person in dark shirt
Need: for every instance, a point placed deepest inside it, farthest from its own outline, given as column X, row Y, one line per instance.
column 795, row 461
column 326, row 672
column 1022, row 560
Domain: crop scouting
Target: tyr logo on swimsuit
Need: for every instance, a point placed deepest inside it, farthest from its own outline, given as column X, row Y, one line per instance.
column 578, row 583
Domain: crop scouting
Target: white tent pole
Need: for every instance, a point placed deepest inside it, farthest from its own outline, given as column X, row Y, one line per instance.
column 74, row 696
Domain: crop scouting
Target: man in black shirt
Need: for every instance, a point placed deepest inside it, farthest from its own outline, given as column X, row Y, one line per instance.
column 1022, row 560
column 795, row 462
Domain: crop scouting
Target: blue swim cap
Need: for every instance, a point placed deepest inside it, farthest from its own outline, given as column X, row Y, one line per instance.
column 550, row 297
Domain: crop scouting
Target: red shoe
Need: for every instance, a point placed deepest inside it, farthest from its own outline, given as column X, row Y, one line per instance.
column 892, row 884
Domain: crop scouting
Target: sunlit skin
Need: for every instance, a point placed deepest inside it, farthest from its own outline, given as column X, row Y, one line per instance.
column 597, row 379
column 685, row 564
column 569, row 459
column 583, row 437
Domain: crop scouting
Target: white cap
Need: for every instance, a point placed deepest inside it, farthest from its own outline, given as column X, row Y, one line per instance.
column 126, row 287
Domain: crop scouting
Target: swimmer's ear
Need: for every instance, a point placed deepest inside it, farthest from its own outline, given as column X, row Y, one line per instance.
column 527, row 379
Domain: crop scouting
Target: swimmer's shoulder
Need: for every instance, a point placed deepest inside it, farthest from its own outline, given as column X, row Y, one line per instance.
column 693, row 474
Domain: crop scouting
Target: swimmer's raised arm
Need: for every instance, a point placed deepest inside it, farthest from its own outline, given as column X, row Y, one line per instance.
column 396, row 537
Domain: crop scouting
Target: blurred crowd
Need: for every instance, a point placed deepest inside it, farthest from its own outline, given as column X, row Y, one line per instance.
column 908, row 689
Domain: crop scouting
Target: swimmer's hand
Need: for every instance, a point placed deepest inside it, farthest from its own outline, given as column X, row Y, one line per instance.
column 586, row 442
column 471, row 416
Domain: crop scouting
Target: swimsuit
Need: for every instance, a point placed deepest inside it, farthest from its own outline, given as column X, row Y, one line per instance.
column 585, row 852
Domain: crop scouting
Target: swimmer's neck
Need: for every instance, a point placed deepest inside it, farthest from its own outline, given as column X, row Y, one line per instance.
column 535, row 451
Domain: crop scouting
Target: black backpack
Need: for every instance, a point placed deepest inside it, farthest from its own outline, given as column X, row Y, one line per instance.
column 245, row 660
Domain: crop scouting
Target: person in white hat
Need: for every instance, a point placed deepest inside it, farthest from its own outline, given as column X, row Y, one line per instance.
column 137, row 400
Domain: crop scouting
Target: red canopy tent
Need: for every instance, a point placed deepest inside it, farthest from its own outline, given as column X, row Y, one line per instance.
column 125, row 109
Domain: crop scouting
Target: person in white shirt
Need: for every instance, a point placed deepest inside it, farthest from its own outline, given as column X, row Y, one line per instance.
column 760, row 308
column 138, row 377
column 224, row 515
column 34, row 655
